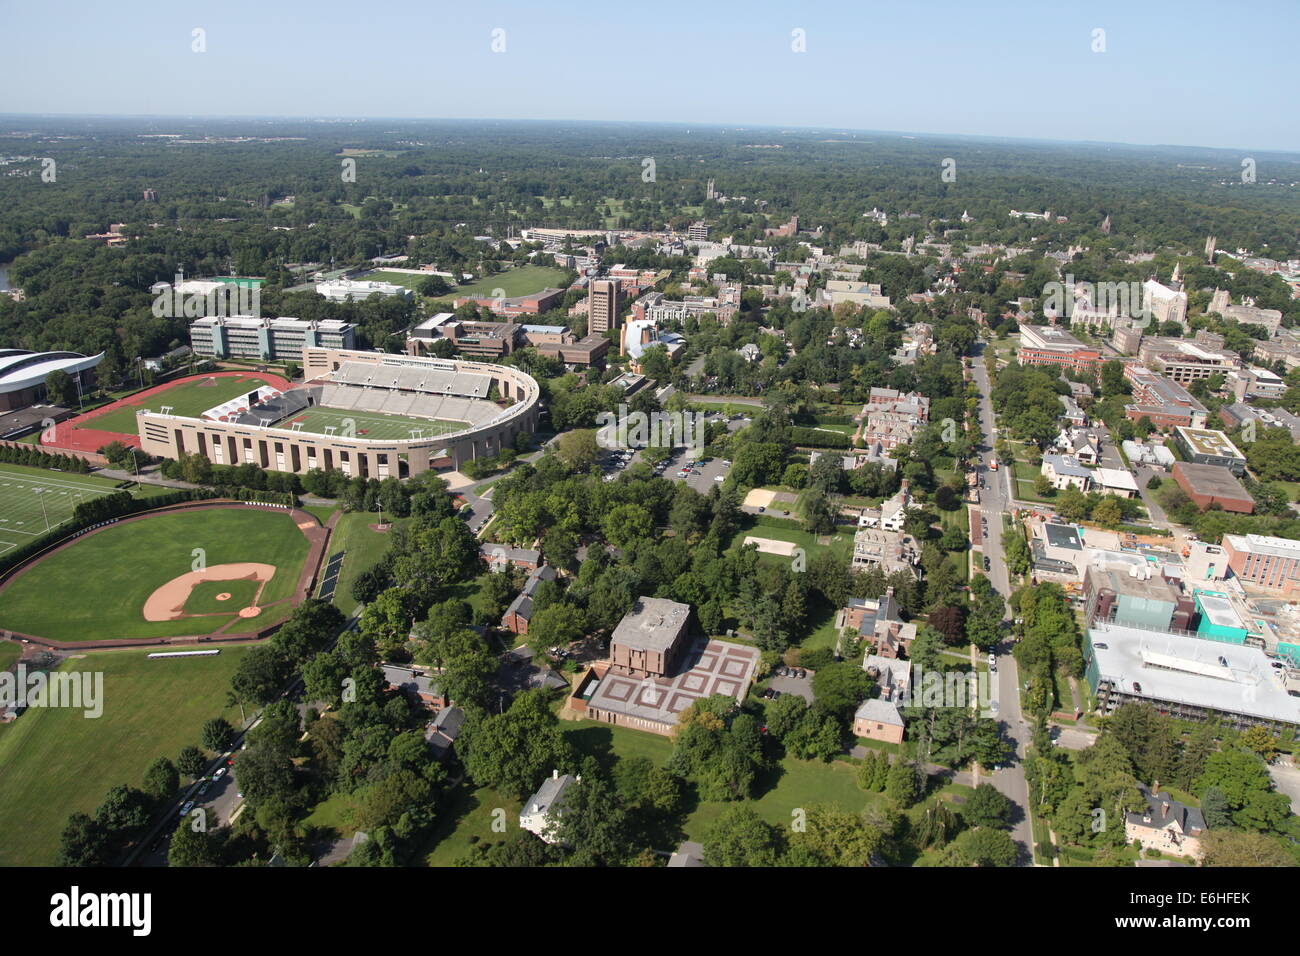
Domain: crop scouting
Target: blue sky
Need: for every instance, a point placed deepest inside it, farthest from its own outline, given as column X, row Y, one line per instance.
column 1185, row 73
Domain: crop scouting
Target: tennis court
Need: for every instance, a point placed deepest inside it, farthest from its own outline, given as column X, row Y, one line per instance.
column 29, row 498
column 347, row 423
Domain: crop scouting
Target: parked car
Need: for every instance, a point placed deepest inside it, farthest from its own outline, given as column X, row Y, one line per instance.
column 188, row 806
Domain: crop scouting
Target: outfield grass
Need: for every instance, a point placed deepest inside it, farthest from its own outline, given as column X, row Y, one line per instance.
column 29, row 497
column 9, row 654
column 56, row 762
column 363, row 546
column 96, row 588
column 374, row 425
column 188, row 399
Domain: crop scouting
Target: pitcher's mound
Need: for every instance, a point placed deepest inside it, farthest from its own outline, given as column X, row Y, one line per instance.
column 224, row 596
column 167, row 603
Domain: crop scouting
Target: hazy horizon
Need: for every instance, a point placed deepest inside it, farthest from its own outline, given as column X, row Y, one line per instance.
column 1188, row 75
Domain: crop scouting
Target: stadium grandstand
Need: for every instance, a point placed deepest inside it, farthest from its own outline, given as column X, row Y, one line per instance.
column 371, row 414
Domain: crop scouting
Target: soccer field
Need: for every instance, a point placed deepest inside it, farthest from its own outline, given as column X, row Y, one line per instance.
column 30, row 496
column 190, row 399
column 345, row 422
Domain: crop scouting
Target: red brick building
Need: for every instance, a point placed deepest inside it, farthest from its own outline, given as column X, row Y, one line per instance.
column 1213, row 484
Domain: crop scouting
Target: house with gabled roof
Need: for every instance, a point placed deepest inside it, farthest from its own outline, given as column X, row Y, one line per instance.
column 1166, row 824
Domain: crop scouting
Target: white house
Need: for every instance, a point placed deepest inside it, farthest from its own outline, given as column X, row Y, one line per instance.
column 542, row 808
column 1064, row 470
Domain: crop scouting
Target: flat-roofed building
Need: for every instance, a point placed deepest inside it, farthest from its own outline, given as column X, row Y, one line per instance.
column 341, row 290
column 1056, row 348
column 1264, row 562
column 1208, row 446
column 1184, row 362
column 1189, row 678
column 1213, row 485
column 649, row 639
column 602, row 305
column 1136, row 597
column 1163, row 402
column 587, row 352
column 266, row 339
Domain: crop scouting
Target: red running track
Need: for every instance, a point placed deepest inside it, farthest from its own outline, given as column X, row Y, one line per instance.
column 68, row 437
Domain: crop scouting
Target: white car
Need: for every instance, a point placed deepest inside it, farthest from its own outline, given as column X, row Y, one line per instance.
column 719, row 477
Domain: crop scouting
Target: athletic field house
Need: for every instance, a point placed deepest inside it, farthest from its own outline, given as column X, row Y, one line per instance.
column 368, row 414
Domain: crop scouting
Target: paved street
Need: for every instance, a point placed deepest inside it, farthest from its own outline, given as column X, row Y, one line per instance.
column 995, row 500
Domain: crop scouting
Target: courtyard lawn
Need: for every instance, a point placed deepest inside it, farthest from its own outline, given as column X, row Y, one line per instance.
column 96, row 588
column 56, row 761
column 190, row 399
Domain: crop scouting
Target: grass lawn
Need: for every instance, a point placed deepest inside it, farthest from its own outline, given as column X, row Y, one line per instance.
column 112, row 572
column 189, row 398
column 468, row 817
column 363, row 546
column 9, row 654
column 841, row 542
column 56, row 761
column 522, row 280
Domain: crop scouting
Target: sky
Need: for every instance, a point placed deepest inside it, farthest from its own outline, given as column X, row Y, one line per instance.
column 1188, row 73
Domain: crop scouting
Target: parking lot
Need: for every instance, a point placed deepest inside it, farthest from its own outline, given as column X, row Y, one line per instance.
column 706, row 472
column 791, row 683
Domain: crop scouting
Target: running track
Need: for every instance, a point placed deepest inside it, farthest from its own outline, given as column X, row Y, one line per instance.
column 67, row 437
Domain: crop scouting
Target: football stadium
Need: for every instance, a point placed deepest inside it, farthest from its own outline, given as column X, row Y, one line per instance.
column 369, row 414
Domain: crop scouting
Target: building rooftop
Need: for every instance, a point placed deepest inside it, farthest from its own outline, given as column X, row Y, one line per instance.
column 1234, row 678
column 1210, row 441
column 881, row 711
column 1214, row 480
column 653, row 624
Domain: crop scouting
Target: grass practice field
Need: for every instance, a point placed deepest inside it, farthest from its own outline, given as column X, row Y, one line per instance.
column 190, row 399
column 54, row 762
column 30, row 496
column 370, row 424
column 96, row 588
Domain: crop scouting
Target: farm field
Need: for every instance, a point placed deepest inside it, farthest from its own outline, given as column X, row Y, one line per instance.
column 57, row 762
column 96, row 588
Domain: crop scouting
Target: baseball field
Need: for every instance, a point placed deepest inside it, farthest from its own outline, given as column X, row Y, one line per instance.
column 189, row 572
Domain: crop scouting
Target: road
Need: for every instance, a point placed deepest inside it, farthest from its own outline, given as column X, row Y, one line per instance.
column 995, row 501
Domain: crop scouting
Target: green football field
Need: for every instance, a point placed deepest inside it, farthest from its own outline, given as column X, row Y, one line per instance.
column 31, row 496
column 57, row 761
column 96, row 588
column 189, row 399
column 346, row 422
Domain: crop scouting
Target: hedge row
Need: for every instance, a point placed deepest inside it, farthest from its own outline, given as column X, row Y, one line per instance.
column 33, row 457
column 817, row 438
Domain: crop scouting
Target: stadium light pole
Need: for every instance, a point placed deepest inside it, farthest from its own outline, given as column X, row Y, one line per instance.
column 39, row 492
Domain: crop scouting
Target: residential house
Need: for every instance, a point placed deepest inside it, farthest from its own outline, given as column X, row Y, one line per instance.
column 520, row 611
column 1166, row 825
column 542, row 809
